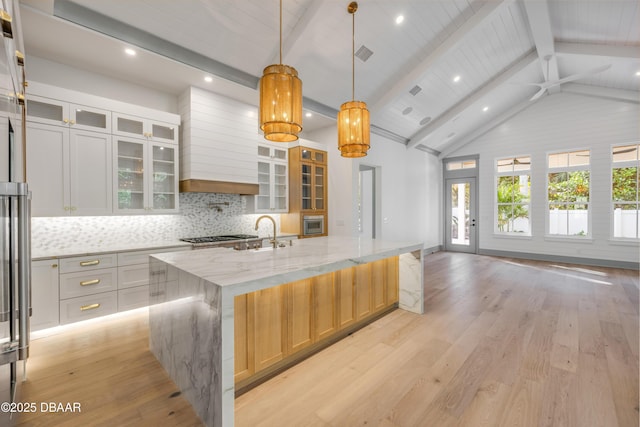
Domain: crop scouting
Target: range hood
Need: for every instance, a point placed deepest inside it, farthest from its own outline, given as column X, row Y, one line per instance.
column 218, row 144
column 206, row 186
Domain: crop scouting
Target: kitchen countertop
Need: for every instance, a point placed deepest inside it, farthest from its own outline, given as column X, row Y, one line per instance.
column 259, row 269
column 81, row 249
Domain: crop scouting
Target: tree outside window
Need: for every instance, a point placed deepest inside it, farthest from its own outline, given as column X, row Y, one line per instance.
column 513, row 189
column 624, row 191
column 568, row 190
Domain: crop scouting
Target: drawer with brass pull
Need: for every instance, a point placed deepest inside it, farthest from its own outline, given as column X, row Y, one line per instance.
column 88, row 307
column 88, row 282
column 86, row 263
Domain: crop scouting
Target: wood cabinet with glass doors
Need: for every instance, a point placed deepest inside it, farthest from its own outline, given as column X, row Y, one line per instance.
column 307, row 189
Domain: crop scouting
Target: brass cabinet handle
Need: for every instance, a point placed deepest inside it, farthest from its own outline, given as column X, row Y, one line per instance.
column 89, row 307
column 54, row 265
column 66, row 120
column 89, row 263
column 90, row 282
column 7, row 31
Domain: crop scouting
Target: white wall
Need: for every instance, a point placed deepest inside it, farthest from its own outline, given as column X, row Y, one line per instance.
column 411, row 188
column 561, row 121
column 56, row 74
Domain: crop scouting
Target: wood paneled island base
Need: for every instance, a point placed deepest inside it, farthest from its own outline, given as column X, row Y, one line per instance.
column 287, row 300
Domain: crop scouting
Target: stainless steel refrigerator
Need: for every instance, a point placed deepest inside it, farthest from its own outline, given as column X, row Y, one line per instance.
column 15, row 255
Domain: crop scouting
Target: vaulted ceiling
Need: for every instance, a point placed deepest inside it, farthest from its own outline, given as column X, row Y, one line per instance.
column 448, row 72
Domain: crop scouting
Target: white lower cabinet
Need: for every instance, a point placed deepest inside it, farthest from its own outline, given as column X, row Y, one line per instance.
column 44, row 294
column 68, row 290
column 88, row 307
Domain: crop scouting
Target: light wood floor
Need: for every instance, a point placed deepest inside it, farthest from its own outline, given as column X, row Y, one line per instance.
column 503, row 343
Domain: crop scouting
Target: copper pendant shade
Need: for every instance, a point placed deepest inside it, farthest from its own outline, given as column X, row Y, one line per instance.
column 353, row 117
column 280, row 100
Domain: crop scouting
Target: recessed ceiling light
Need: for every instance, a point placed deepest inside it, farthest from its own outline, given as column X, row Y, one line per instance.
column 308, row 114
column 399, row 19
column 208, row 79
column 485, row 109
column 638, row 73
column 456, row 79
column 130, row 51
column 425, row 121
column 407, row 111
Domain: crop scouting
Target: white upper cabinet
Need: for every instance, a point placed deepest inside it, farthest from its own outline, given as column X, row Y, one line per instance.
column 137, row 127
column 146, row 178
column 69, row 171
column 273, row 179
column 61, row 113
column 84, row 160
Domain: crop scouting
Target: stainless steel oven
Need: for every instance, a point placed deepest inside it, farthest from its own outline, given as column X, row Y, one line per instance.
column 312, row 225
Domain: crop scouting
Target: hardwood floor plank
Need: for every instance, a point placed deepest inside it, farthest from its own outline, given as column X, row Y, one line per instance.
column 623, row 374
column 523, row 406
column 594, row 397
column 559, row 400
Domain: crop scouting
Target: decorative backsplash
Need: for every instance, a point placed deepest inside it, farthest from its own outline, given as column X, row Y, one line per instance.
column 201, row 214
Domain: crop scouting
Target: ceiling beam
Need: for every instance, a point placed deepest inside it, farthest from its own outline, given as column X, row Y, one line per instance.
column 497, row 81
column 605, row 50
column 540, row 24
column 403, row 81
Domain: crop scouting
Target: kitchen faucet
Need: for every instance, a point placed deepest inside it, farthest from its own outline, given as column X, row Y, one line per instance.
column 274, row 241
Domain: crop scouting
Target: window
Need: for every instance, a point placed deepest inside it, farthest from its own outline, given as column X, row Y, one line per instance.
column 624, row 191
column 568, row 193
column 513, row 195
column 463, row 164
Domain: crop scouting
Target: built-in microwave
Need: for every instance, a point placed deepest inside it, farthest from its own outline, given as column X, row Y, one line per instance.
column 312, row 225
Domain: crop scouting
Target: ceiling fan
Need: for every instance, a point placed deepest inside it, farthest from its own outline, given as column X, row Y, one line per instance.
column 544, row 86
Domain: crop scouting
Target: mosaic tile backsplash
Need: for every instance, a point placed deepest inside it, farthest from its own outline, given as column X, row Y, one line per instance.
column 201, row 214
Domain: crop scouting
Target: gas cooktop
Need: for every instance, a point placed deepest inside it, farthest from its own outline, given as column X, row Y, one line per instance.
column 214, row 239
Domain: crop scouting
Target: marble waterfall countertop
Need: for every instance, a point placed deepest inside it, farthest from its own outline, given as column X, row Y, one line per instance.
column 252, row 270
column 192, row 296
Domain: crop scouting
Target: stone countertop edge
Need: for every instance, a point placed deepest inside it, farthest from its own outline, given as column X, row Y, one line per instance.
column 38, row 255
column 248, row 271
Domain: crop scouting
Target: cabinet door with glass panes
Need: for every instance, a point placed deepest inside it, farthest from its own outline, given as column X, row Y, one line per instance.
column 60, row 113
column 314, row 184
column 273, row 178
column 146, row 180
column 138, row 127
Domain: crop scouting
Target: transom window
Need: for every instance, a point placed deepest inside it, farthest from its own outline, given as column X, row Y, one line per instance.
column 624, row 191
column 568, row 192
column 513, row 195
column 463, row 164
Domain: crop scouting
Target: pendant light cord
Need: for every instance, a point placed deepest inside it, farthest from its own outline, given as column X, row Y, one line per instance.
column 353, row 56
column 280, row 31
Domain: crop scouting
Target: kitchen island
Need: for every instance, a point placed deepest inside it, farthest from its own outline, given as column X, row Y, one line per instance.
column 193, row 297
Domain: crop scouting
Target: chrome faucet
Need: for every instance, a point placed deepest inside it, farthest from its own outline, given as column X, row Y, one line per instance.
column 274, row 242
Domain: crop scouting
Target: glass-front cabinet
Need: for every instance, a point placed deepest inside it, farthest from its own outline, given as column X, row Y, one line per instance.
column 137, row 127
column 146, row 177
column 60, row 113
column 273, row 179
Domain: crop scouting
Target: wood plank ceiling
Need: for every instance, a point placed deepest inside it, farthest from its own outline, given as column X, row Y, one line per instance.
column 498, row 48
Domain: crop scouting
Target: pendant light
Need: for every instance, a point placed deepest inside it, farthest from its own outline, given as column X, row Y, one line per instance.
column 353, row 117
column 280, row 100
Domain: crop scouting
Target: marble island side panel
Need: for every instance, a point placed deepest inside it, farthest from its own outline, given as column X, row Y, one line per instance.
column 192, row 305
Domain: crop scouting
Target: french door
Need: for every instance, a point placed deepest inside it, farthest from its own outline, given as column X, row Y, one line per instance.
column 460, row 215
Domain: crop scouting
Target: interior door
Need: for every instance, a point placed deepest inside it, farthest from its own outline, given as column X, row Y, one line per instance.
column 460, row 215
